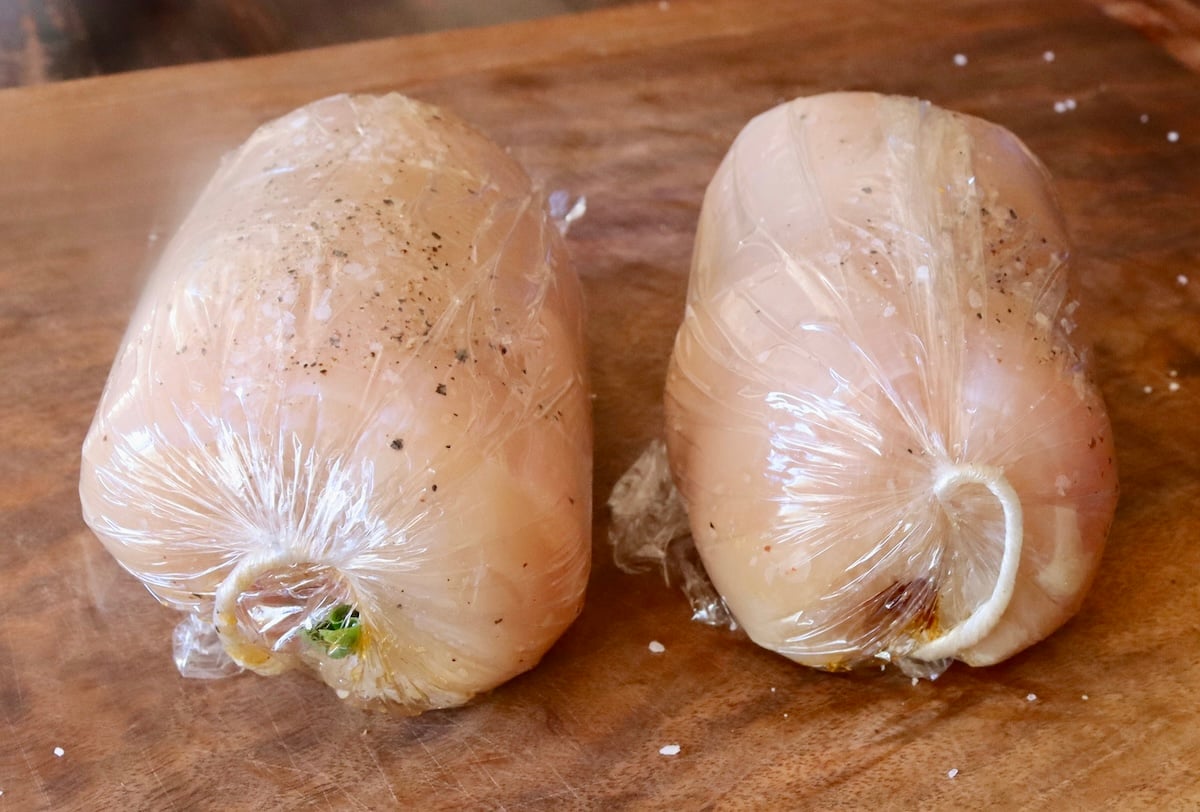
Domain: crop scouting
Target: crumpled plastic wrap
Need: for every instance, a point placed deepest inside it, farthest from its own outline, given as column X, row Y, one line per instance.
column 348, row 429
column 564, row 211
column 876, row 414
column 649, row 531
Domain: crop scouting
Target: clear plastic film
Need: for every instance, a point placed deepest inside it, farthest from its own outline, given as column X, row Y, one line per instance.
column 348, row 429
column 877, row 417
column 565, row 211
column 649, row 531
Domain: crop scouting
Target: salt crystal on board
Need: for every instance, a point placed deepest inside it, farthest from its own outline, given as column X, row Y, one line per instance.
column 960, row 59
column 1173, row 386
column 59, row 752
column 1048, row 56
column 952, row 773
column 1172, row 136
column 1031, row 697
column 1181, row 279
column 1084, row 697
column 657, row 647
column 669, row 750
column 1144, row 118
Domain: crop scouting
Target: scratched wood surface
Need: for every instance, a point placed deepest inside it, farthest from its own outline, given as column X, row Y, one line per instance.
column 633, row 108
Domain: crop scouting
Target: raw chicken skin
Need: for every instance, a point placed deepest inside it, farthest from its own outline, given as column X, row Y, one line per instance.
column 874, row 394
column 356, row 381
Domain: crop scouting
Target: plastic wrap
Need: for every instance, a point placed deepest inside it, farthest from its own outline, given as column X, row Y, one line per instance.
column 649, row 531
column 882, row 429
column 348, row 429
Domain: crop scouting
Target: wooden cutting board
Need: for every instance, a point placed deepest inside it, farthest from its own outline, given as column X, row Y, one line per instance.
column 632, row 108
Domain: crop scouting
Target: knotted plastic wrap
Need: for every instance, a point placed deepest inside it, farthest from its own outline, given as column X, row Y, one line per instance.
column 348, row 428
column 881, row 428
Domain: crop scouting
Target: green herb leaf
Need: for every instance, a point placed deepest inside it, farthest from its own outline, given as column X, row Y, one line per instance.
column 340, row 633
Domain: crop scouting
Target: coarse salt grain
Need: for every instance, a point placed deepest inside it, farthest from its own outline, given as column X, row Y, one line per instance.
column 952, row 773
column 915, row 681
column 1172, row 136
column 59, row 752
column 1173, row 386
column 960, row 59
column 1048, row 56
column 1030, row 697
column 1084, row 697
column 1147, row 389
column 1181, row 279
column 1144, row 118
column 669, row 750
column 1172, row 373
column 657, row 647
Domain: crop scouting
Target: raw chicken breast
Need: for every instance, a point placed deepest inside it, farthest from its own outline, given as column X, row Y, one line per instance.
column 885, row 437
column 349, row 425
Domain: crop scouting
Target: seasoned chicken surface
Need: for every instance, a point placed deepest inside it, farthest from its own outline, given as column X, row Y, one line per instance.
column 876, row 413
column 349, row 425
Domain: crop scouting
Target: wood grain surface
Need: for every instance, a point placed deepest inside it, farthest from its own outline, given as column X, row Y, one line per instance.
column 52, row 40
column 633, row 108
